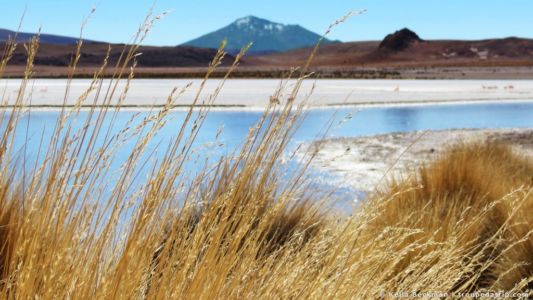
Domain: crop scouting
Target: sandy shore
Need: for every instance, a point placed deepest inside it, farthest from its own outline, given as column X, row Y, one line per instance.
column 255, row 93
column 367, row 162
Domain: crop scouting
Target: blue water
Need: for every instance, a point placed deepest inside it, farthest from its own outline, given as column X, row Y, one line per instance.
column 348, row 122
column 351, row 122
column 36, row 127
column 372, row 121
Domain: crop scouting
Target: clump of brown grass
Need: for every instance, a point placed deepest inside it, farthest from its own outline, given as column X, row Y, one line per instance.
column 240, row 229
column 478, row 196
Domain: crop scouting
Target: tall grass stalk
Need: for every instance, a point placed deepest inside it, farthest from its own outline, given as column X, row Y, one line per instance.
column 239, row 229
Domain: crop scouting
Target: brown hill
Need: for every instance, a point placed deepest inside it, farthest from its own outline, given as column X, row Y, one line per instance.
column 405, row 48
column 93, row 54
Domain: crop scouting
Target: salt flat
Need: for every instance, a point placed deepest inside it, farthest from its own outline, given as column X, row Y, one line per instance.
column 366, row 163
column 257, row 92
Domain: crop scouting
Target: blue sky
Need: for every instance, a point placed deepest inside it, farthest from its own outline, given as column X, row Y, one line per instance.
column 117, row 20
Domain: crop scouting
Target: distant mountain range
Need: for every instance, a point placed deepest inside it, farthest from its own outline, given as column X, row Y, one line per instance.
column 57, row 51
column 278, row 47
column 23, row 37
column 267, row 36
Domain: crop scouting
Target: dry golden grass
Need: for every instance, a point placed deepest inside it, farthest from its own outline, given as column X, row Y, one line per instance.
column 477, row 196
column 241, row 229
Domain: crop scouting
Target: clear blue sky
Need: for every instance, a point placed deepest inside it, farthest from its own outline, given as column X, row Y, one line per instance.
column 117, row 20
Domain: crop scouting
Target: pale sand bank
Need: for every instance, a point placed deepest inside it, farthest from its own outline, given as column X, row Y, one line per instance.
column 367, row 162
column 256, row 92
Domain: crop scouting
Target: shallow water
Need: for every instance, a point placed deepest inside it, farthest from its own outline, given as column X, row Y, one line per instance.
column 36, row 127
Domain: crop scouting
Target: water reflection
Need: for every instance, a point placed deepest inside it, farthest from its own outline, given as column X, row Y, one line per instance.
column 403, row 118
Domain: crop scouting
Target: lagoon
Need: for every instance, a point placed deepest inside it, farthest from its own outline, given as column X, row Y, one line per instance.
column 36, row 127
column 348, row 122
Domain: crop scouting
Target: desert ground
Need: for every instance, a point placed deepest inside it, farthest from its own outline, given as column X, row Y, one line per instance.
column 490, row 72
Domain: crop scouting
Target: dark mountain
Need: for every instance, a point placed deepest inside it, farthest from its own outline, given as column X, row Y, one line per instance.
column 51, row 39
column 267, row 36
column 399, row 40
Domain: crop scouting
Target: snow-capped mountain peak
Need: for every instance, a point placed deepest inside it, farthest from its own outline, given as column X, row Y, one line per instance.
column 266, row 36
column 255, row 23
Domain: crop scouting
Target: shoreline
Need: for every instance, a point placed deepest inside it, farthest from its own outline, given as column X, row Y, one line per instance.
column 242, row 107
column 367, row 163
